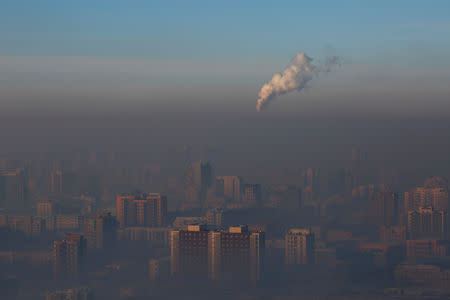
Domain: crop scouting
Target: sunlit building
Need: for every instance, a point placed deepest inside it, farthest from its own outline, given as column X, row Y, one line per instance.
column 230, row 254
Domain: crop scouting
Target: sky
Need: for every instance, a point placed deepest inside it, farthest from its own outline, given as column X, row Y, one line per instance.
column 138, row 74
column 64, row 54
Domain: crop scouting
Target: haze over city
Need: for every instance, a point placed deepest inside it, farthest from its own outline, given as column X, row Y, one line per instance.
column 239, row 150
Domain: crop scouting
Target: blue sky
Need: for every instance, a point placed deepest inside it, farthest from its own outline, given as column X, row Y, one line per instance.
column 97, row 44
column 228, row 30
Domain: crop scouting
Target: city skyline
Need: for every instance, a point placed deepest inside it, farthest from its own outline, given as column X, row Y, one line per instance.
column 245, row 150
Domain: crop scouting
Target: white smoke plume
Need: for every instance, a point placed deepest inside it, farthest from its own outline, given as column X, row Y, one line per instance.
column 294, row 77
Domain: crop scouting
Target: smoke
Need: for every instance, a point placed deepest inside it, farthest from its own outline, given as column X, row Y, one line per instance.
column 294, row 77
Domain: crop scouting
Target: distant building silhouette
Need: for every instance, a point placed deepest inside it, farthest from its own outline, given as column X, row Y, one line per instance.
column 426, row 248
column 71, row 294
column 214, row 217
column 427, row 222
column 393, row 233
column 252, row 195
column 159, row 269
column 153, row 235
column 231, row 187
column 299, row 247
column 384, row 208
column 44, row 209
column 13, row 189
column 56, row 182
column 100, row 231
column 68, row 256
column 199, row 177
column 434, row 193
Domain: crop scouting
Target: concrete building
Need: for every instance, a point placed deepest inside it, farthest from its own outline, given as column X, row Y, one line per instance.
column 159, row 269
column 214, row 217
column 154, row 235
column 141, row 209
column 426, row 248
column 56, row 182
column 231, row 187
column 433, row 193
column 252, row 195
column 13, row 189
column 299, row 247
column 427, row 222
column 100, row 231
column 230, row 254
column 68, row 256
column 199, row 177
column 44, row 209
column 384, row 208
column 425, row 276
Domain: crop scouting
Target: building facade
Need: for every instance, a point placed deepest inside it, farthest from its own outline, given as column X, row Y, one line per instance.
column 100, row 231
column 68, row 256
column 141, row 209
column 299, row 247
column 200, row 252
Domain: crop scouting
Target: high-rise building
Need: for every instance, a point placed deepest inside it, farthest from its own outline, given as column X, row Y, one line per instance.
column 299, row 247
column 437, row 197
column 214, row 217
column 232, row 187
column 141, row 209
column 68, row 256
column 434, row 193
column 44, row 209
column 427, row 276
column 252, row 194
column 384, row 208
column 56, row 181
column 100, row 231
column 311, row 177
column 189, row 251
column 159, row 268
column 426, row 248
column 199, row 177
column 13, row 189
column 427, row 222
column 198, row 251
column 408, row 200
